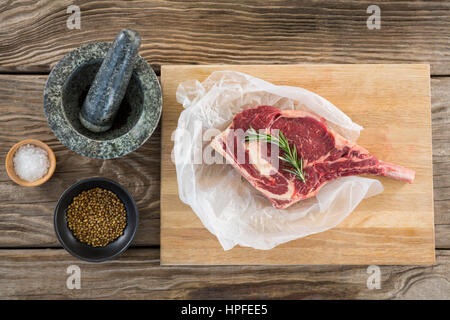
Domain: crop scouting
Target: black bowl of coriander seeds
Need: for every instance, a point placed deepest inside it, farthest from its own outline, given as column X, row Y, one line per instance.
column 96, row 219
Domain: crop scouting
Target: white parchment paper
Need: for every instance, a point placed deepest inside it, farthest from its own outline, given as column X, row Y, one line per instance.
column 228, row 206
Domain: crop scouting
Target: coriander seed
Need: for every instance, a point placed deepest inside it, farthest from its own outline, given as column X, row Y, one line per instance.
column 96, row 217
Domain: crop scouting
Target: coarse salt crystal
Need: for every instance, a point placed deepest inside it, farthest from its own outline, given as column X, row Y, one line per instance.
column 30, row 162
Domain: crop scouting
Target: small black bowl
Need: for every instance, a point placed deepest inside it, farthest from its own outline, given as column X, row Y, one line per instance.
column 82, row 250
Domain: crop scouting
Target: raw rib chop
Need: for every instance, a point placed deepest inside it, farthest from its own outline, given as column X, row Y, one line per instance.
column 326, row 154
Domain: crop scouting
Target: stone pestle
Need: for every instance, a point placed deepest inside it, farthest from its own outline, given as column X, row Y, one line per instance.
column 110, row 84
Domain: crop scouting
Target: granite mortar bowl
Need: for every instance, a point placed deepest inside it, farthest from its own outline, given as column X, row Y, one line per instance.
column 66, row 89
column 84, row 251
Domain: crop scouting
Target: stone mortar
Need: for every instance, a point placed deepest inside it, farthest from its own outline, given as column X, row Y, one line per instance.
column 66, row 89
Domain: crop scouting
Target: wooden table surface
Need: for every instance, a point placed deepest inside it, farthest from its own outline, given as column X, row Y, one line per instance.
column 34, row 36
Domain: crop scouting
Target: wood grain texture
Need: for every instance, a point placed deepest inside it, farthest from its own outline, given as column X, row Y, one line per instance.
column 26, row 214
column 137, row 274
column 440, row 107
column 34, row 35
column 395, row 227
column 442, row 236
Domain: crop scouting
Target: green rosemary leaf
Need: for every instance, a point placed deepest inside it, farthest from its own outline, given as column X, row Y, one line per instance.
column 293, row 172
column 283, row 158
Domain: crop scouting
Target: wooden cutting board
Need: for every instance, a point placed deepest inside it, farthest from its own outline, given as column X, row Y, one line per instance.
column 392, row 103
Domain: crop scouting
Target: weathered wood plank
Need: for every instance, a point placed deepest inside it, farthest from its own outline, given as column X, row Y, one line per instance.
column 26, row 214
column 41, row 274
column 442, row 236
column 34, row 34
column 440, row 113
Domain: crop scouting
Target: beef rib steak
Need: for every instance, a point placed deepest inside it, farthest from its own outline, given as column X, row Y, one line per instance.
column 326, row 154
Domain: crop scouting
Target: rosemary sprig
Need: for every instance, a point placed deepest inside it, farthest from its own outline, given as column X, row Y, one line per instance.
column 290, row 154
